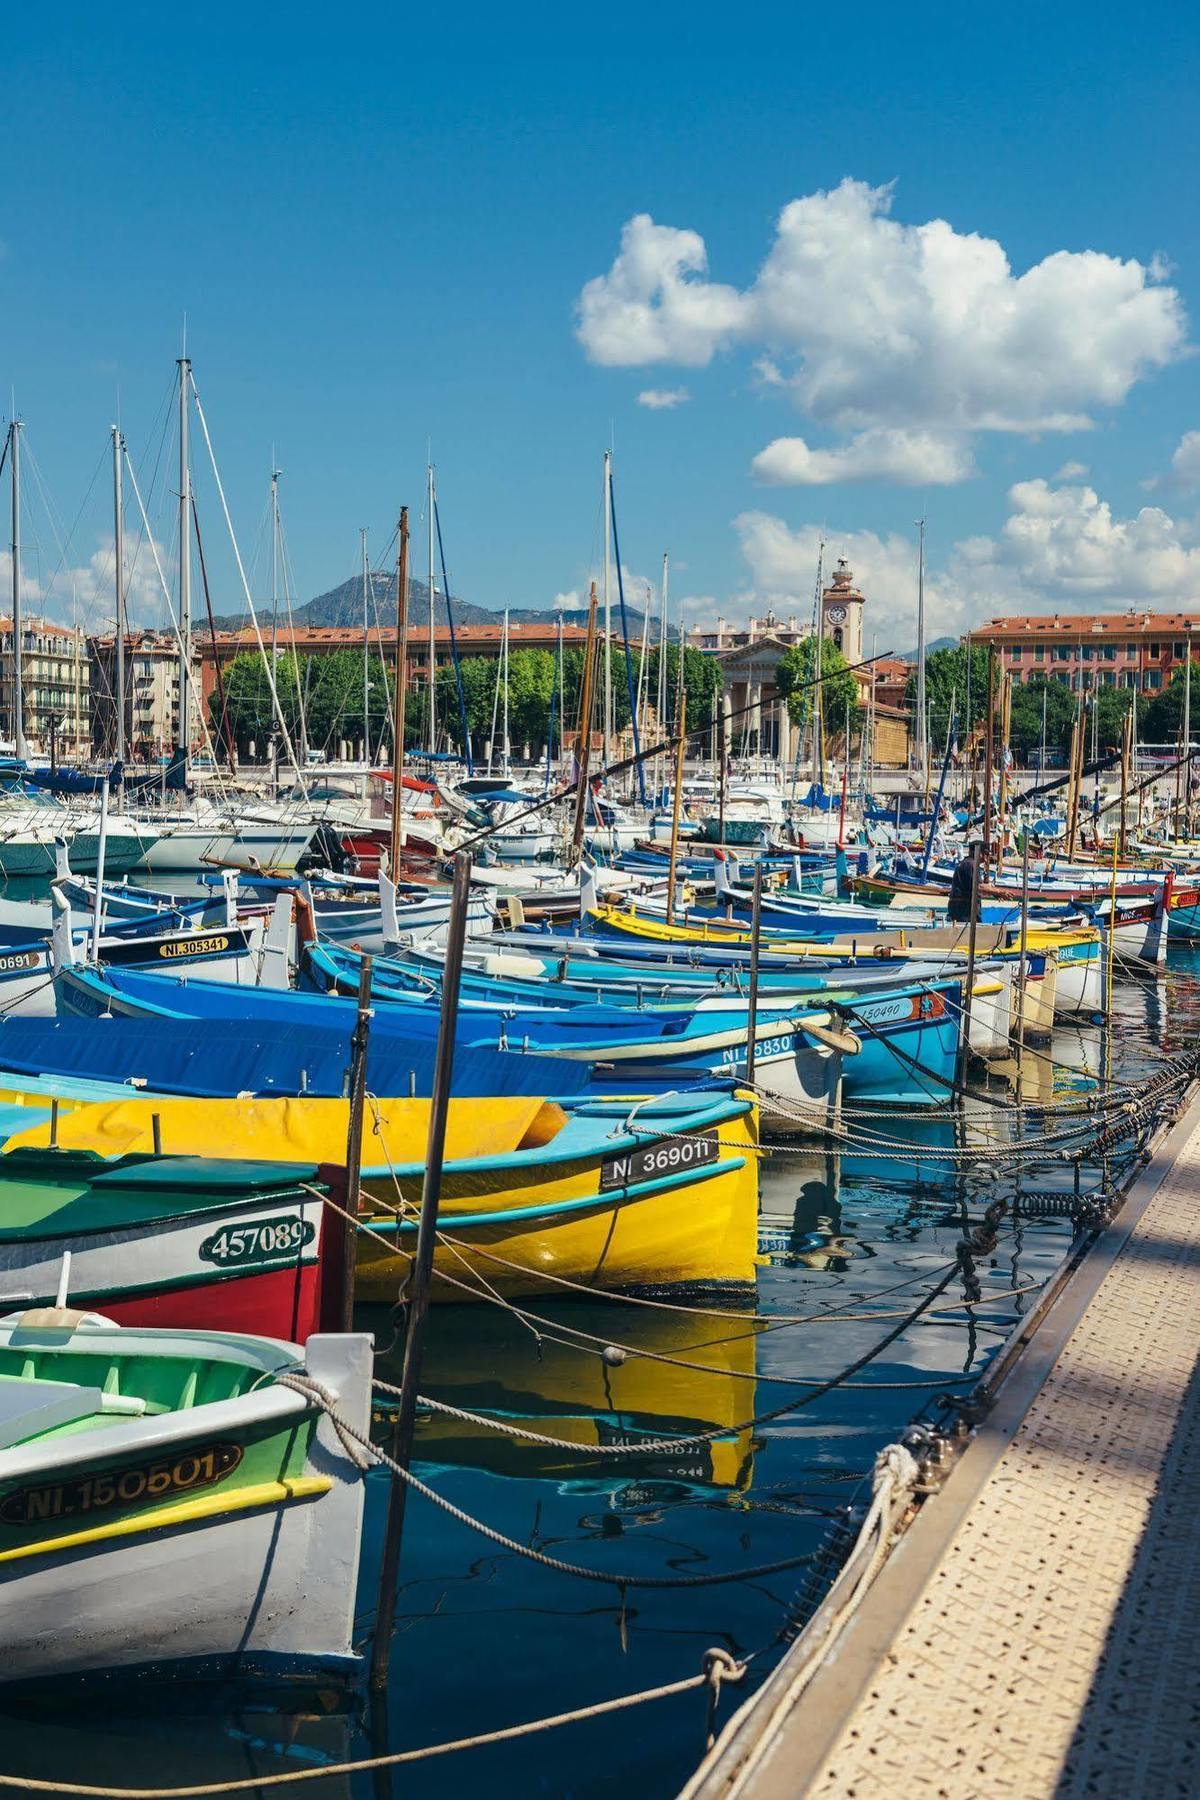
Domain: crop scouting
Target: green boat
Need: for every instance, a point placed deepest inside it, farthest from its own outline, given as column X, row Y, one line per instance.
column 169, row 1507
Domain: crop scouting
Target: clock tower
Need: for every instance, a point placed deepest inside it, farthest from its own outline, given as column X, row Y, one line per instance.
column 842, row 613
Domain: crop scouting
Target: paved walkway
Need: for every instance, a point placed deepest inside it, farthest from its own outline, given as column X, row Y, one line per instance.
column 1053, row 1651
column 1049, row 1649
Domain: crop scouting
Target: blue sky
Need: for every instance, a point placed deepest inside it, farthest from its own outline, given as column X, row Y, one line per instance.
column 379, row 226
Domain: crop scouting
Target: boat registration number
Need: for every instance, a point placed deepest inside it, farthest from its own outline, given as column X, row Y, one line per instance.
column 691, row 1152
column 20, row 959
column 107, row 1490
column 259, row 1242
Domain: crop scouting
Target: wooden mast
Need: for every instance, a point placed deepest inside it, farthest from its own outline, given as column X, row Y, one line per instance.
column 401, row 679
column 583, row 743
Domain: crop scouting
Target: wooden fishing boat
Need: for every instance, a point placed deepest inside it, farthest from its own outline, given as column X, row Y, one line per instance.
column 193, row 1242
column 627, row 1195
column 167, row 1507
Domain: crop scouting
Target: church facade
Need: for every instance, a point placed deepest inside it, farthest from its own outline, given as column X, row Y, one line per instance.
column 756, row 715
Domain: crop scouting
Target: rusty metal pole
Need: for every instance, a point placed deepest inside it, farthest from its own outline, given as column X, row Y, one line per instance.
column 399, row 696
column 676, row 798
column 755, row 947
column 422, row 1269
column 356, row 1093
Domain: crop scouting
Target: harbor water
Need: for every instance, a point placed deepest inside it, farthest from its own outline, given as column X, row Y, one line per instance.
column 485, row 1637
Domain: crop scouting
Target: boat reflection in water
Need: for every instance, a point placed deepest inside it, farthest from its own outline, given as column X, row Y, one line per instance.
column 561, row 1385
column 191, row 1733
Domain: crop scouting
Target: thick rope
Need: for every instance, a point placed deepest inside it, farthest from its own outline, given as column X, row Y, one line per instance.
column 719, row 1668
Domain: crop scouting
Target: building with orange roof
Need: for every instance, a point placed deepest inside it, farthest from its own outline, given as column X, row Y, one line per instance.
column 1135, row 649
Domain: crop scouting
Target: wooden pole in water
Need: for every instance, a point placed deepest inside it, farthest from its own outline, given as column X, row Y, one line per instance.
column 357, row 1092
column 1126, row 742
column 988, row 755
column 676, row 797
column 422, row 1269
column 1021, row 977
column 964, row 1047
column 755, row 948
column 1073, row 793
column 583, row 743
column 401, row 683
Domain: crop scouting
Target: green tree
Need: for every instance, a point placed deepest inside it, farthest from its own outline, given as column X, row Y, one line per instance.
column 1025, row 724
column 1112, row 707
column 702, row 681
column 478, row 675
column 1163, row 720
column 946, row 681
column 839, row 690
column 248, row 703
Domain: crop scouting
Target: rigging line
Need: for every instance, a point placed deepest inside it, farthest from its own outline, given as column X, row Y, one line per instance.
column 63, row 546
column 458, row 680
column 612, row 516
column 287, row 736
column 137, row 492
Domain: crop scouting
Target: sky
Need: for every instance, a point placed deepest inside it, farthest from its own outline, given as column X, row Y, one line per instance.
column 811, row 274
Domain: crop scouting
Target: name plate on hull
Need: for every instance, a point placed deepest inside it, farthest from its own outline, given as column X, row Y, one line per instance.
column 671, row 1157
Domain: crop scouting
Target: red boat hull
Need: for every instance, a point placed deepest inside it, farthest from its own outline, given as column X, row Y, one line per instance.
column 279, row 1303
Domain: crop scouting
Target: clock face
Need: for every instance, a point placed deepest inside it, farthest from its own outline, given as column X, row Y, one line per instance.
column 836, row 615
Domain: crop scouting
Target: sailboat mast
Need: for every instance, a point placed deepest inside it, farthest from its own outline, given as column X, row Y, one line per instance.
column 401, row 681
column 507, row 768
column 608, row 697
column 562, row 695
column 185, row 560
column 274, row 566
column 923, row 747
column 366, row 737
column 432, row 631
column 118, row 443
column 14, row 468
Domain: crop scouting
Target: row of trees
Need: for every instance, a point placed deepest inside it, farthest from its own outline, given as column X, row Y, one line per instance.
column 1159, row 716
column 326, row 692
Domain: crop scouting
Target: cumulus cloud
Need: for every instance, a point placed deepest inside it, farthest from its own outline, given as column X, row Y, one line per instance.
column 872, row 324
column 662, row 399
column 782, row 564
column 85, row 591
column 1071, row 471
column 1185, row 465
column 879, row 455
column 1059, row 546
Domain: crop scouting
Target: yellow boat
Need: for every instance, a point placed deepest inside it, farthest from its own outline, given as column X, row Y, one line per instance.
column 625, row 1194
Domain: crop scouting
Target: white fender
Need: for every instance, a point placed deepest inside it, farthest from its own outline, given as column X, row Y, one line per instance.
column 724, row 885
column 387, row 909
column 62, row 940
column 62, row 861
column 229, row 883
column 589, row 893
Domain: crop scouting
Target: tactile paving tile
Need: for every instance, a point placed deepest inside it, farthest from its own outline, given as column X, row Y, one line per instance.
column 1053, row 1649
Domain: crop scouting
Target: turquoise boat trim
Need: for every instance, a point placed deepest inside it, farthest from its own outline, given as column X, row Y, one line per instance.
column 680, row 1122
column 639, row 1190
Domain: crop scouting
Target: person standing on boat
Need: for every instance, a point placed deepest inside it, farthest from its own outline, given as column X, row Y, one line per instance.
column 963, row 900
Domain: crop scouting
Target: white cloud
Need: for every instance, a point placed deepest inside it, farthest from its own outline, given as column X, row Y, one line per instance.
column 782, row 562
column 651, row 307
column 1071, row 471
column 873, row 324
column 1059, row 547
column 880, row 455
column 1066, row 544
column 662, row 399
column 86, row 590
column 1185, row 465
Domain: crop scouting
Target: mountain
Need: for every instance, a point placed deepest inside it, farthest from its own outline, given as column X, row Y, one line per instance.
column 344, row 606
column 942, row 643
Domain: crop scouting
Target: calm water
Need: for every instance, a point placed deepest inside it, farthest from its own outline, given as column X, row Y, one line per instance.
column 483, row 1638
